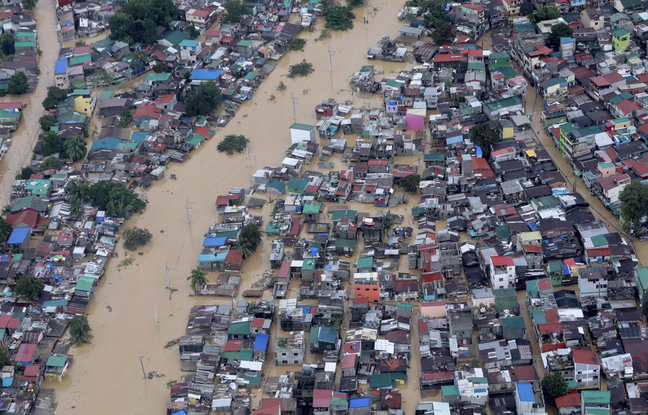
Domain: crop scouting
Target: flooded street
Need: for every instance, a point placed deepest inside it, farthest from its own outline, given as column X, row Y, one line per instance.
column 106, row 377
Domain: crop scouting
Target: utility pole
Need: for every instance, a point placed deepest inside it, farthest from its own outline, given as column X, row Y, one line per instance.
column 167, row 274
column 330, row 61
column 157, row 323
column 248, row 154
column 365, row 15
column 292, row 95
column 143, row 371
column 188, row 215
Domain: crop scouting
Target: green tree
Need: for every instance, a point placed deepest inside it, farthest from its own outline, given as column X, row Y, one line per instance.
column 138, row 20
column 75, row 148
column 54, row 96
column 443, row 33
column 243, row 248
column 203, row 100
column 434, row 12
column 484, row 136
column 251, row 235
column 4, row 360
column 547, row 13
column 297, row 43
column 102, row 77
column 161, row 67
column 232, row 143
column 527, row 8
column 135, row 237
column 355, row 3
column 388, row 222
column 234, row 11
column 47, row 122
column 80, row 331
column 193, row 32
column 300, row 69
column 25, row 173
column 126, row 118
column 78, row 188
column 115, row 199
column 80, row 42
column 553, row 386
column 7, row 42
column 410, row 183
column 558, row 31
column 634, row 207
column 51, row 144
column 29, row 286
column 18, row 83
column 197, row 278
column 29, row 4
column 76, row 207
column 51, row 163
column 338, row 17
column 5, row 231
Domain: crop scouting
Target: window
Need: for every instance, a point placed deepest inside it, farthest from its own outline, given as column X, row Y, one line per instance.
column 283, row 354
column 296, row 362
column 285, row 362
column 501, row 279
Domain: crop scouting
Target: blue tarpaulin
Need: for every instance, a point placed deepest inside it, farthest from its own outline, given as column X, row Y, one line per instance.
column 479, row 151
column 566, row 269
column 359, row 402
column 314, row 252
column 214, row 241
column 18, row 236
column 261, row 342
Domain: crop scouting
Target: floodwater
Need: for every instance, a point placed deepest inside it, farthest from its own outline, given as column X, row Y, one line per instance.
column 106, row 377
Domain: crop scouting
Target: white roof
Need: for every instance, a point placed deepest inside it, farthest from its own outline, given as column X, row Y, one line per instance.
column 256, row 366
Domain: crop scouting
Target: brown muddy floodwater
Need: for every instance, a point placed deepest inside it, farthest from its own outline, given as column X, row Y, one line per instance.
column 106, row 377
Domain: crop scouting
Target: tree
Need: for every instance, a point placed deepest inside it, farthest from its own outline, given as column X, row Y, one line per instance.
column 4, row 360
column 634, row 207
column 232, row 143
column 300, row 69
column 251, row 235
column 7, row 42
column 553, row 386
column 203, row 100
column 76, row 208
column 114, row 198
column 243, row 248
column 29, row 286
column 54, row 96
column 297, row 43
column 193, row 33
column 161, row 67
column 135, row 237
column 5, row 231
column 137, row 21
column 80, row 331
column 234, row 11
column 443, row 33
column 388, row 222
column 126, row 118
column 75, row 148
column 51, row 163
column 47, row 122
column 355, row 3
column 25, row 173
column 558, row 31
column 78, row 188
column 338, row 17
column 197, row 278
column 434, row 12
column 410, row 183
column 18, row 83
column 29, row 4
column 547, row 13
column 102, row 77
column 484, row 136
column 527, row 8
column 51, row 144
column 80, row 42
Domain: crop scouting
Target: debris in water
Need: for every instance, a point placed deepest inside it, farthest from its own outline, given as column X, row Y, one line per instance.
column 109, row 308
column 172, row 343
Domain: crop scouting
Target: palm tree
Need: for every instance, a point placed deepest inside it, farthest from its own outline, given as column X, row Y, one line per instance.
column 197, row 278
column 75, row 148
column 388, row 222
column 76, row 207
column 243, row 248
column 80, row 331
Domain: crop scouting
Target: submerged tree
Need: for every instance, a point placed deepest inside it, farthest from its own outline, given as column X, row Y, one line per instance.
column 197, row 278
column 302, row 68
column 231, row 143
column 204, row 99
column 135, row 237
column 80, row 331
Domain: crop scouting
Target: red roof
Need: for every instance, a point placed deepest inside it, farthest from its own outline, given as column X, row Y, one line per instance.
column 11, row 105
column 586, row 357
column 613, row 77
column 475, row 53
column 428, row 277
column 532, row 248
column 204, row 132
column 13, row 323
column 473, row 7
column 571, row 399
column 270, row 410
column 233, row 346
column 147, row 110
column 627, row 106
column 165, row 99
column 602, row 252
column 257, row 323
column 24, row 217
column 227, row 39
column 502, row 261
column 26, row 352
column 526, row 373
column 349, row 361
column 322, row 397
column 540, row 50
column 448, row 57
column 233, row 256
column 4, row 320
column 544, row 284
column 213, row 33
column 600, row 81
column 550, row 328
column 200, row 13
column 549, row 347
column 437, row 376
column 552, row 316
column 422, row 326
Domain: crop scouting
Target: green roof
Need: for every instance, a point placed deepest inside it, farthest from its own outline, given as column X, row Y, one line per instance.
column 504, row 103
column 308, row 265
column 25, row 34
column 365, row 262
column 195, row 139
column 339, row 214
column 596, row 397
column 33, row 202
column 345, row 242
column 107, row 93
column 382, row 380
column 255, row 381
column 505, row 303
column 25, row 44
column 434, row 156
column 243, row 355
column 620, row 32
column 597, row 411
column 241, row 328
column 81, row 92
column 503, row 231
column 497, row 56
column 450, row 390
column 56, row 361
column 539, row 317
column 81, row 59
column 298, row 184
column 476, row 65
column 642, row 275
column 38, row 187
column 555, row 81
column 175, row 37
column 312, row 207
column 189, row 43
column 513, row 323
column 251, row 75
column 404, row 305
column 304, row 127
column 599, row 240
column 84, row 284
column 244, row 43
column 155, row 77
column 314, row 335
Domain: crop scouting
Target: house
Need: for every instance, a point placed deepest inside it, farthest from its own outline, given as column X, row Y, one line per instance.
column 113, row 106
column 189, row 50
column 290, row 350
column 60, row 74
column 592, row 19
column 27, row 354
column 239, row 330
column 569, row 404
column 461, row 326
column 367, row 284
column 166, row 102
column 641, row 280
column 595, row 399
column 323, row 339
column 609, row 188
column 56, row 367
column 623, row 6
column 145, row 113
column 26, row 218
column 555, row 87
column 85, row 104
column 528, row 400
column 198, row 17
column 302, row 132
column 592, row 282
column 349, row 365
column 360, row 406
column 586, row 368
column 511, row 8
column 19, row 238
column 621, row 39
column 502, row 272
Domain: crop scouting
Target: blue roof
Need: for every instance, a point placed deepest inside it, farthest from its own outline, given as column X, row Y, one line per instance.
column 359, row 402
column 454, row 140
column 525, row 392
column 139, row 136
column 327, row 334
column 18, row 236
column 214, row 241
column 189, row 43
column 54, row 303
column 107, row 142
column 261, row 342
column 60, row 67
column 206, row 74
